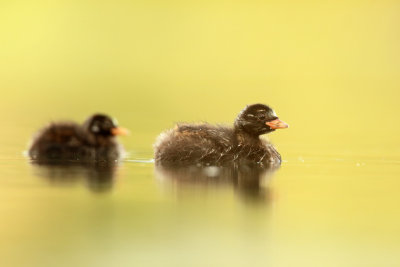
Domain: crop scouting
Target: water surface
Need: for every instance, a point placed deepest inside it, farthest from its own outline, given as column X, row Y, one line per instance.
column 313, row 208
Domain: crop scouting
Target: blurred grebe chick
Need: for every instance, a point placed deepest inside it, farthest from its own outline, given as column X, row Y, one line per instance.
column 91, row 141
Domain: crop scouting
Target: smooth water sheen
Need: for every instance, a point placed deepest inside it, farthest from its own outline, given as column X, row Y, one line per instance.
column 315, row 210
column 329, row 69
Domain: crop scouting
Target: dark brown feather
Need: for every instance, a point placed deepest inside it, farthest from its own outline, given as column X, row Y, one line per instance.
column 205, row 144
column 71, row 141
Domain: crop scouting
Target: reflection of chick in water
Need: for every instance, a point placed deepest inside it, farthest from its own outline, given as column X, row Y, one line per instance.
column 245, row 178
column 98, row 176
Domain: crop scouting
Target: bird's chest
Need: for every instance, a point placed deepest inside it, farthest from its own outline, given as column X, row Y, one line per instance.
column 259, row 152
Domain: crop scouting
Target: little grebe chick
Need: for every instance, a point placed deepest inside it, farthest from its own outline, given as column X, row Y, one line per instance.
column 92, row 141
column 205, row 144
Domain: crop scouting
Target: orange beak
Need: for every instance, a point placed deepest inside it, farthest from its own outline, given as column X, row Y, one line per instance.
column 119, row 131
column 277, row 124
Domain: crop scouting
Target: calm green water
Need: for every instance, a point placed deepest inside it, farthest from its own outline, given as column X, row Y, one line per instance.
column 329, row 68
column 316, row 210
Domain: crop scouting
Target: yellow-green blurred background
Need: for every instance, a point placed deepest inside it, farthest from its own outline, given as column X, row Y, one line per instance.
column 329, row 68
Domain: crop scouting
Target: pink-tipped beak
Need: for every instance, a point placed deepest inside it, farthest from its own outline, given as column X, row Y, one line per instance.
column 277, row 124
column 119, row 131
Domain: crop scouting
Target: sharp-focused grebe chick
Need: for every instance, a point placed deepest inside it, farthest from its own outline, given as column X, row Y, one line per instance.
column 205, row 144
